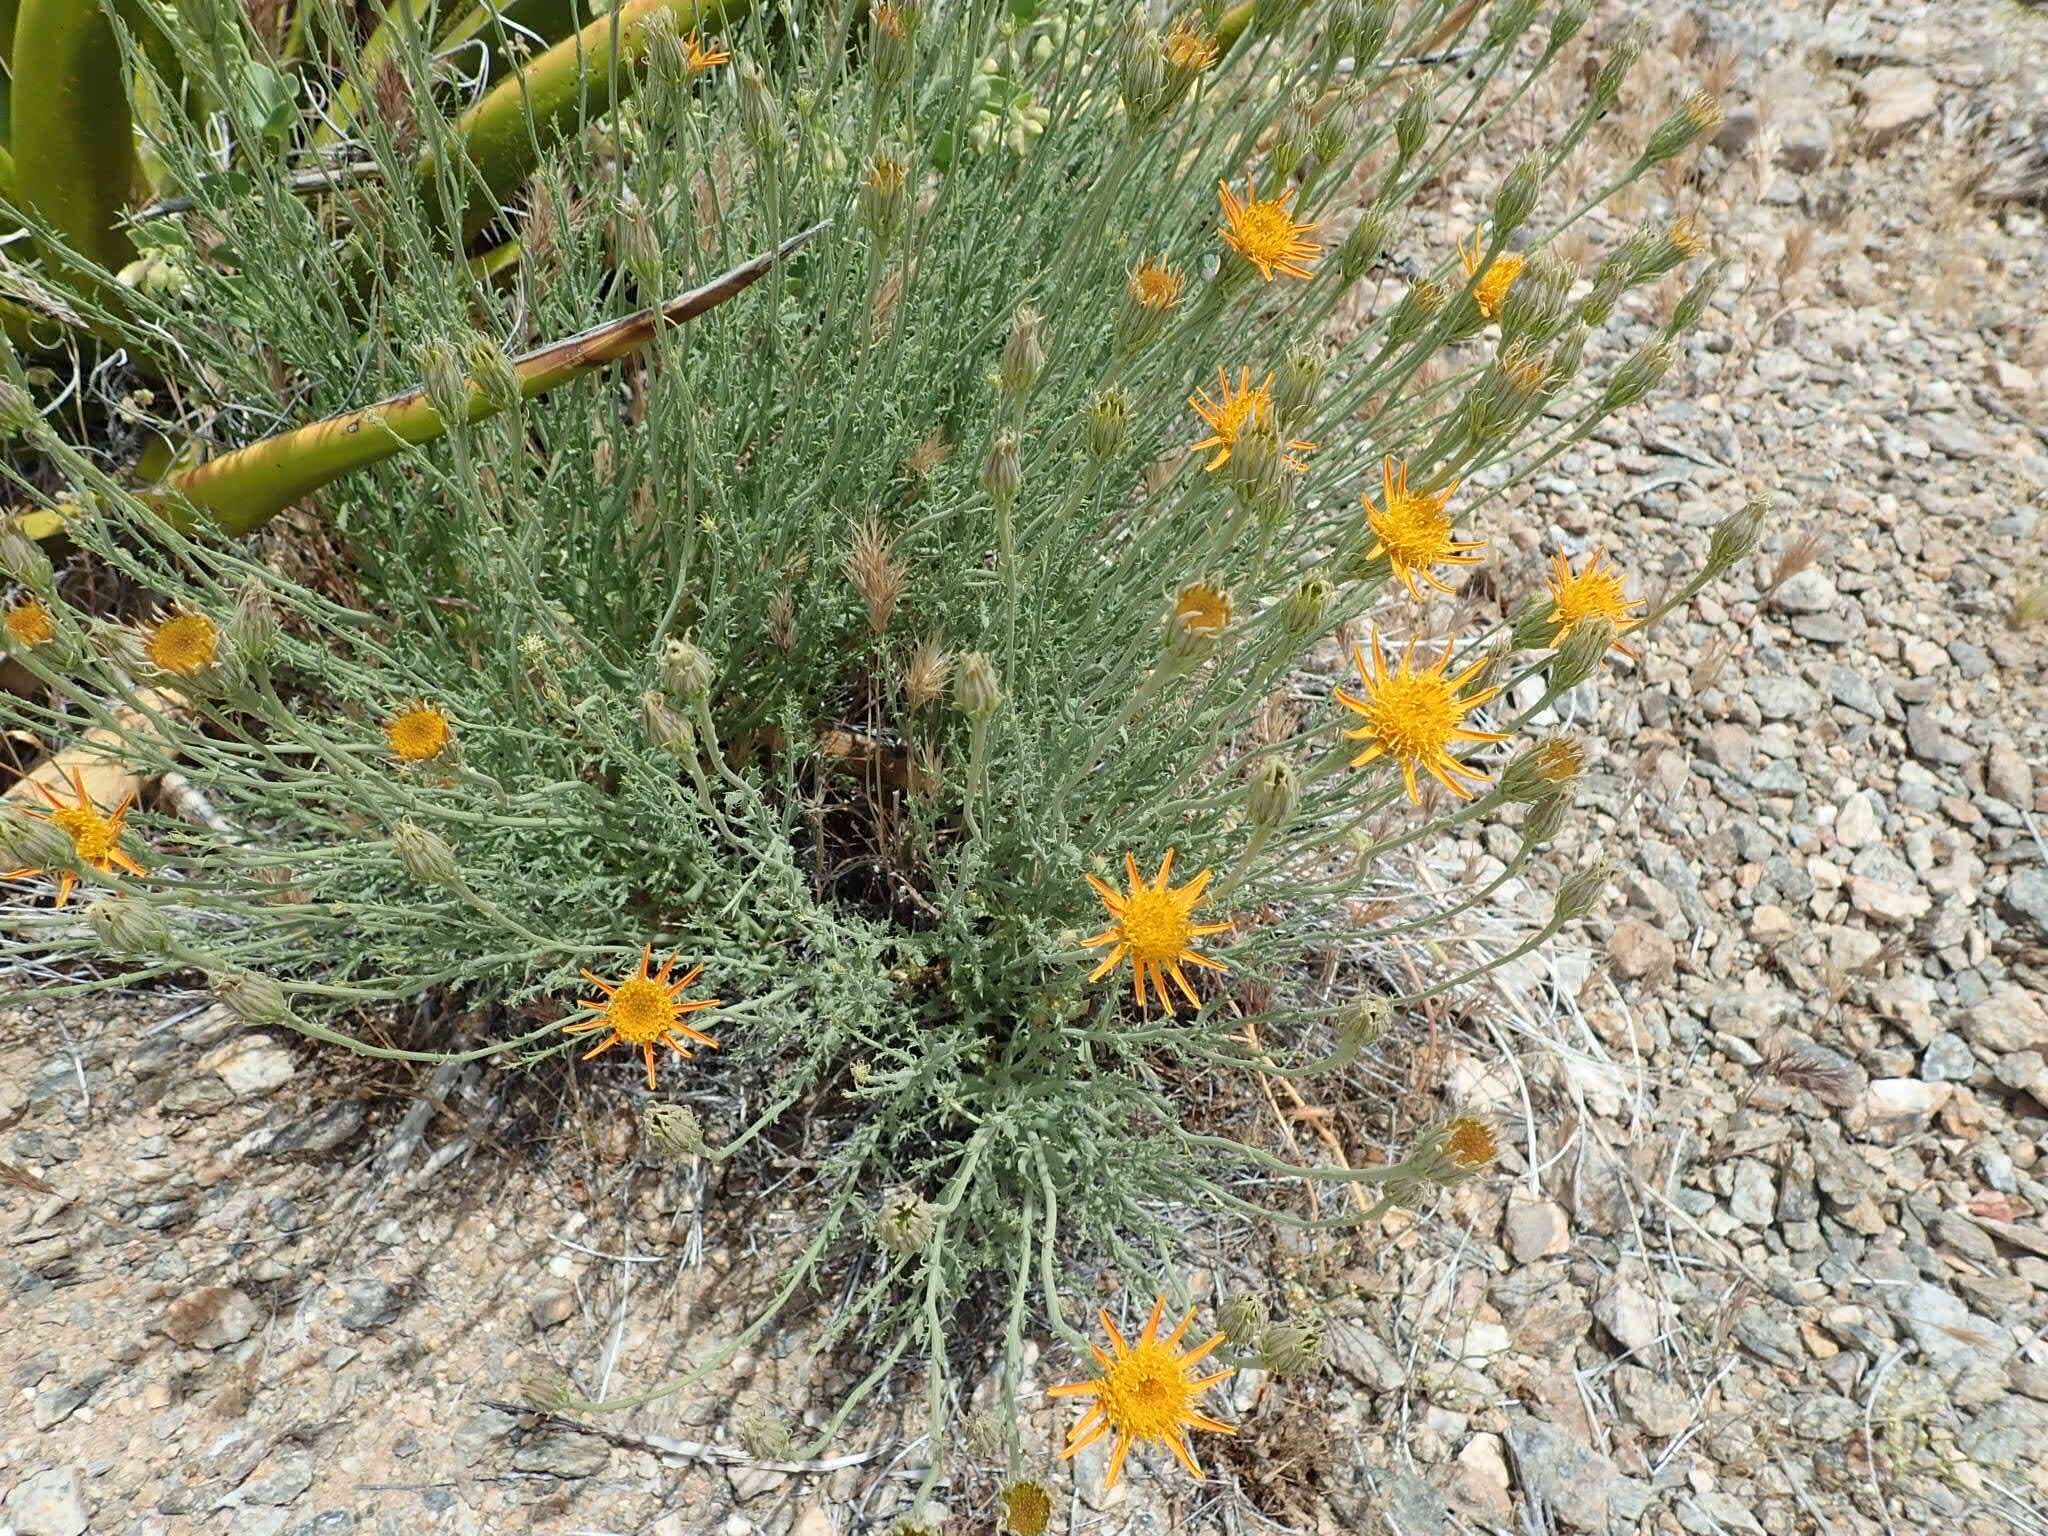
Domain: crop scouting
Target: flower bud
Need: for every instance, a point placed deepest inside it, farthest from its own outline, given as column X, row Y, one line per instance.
column 1242, row 1318
column 1538, row 304
column 640, row 250
column 1581, row 651
column 1533, row 623
column 686, row 672
column 1509, row 19
column 764, row 1434
column 33, row 842
column 1620, row 60
column 1109, row 424
column 984, row 1437
column 1370, row 24
column 1292, row 136
column 424, row 855
column 1360, row 1023
column 760, row 113
column 1565, row 360
column 666, row 730
column 22, row 559
column 1142, row 76
column 444, row 381
column 975, row 686
column 1294, row 390
column 1150, row 298
column 892, row 36
column 1566, row 23
column 1413, row 121
column 251, row 997
column 129, row 927
column 1367, row 242
column 1199, row 616
column 883, row 193
column 1516, row 197
column 674, row 1130
column 661, row 45
column 1693, row 304
column 1637, row 376
column 496, row 379
column 1307, row 606
column 1024, row 353
column 1002, row 472
column 1694, row 118
column 1552, row 764
column 1578, row 891
column 1291, row 1349
column 905, row 1224
column 18, row 414
column 1254, row 467
column 1423, row 301
column 253, row 629
column 1271, row 796
column 1735, row 537
column 1596, row 307
column 1545, row 817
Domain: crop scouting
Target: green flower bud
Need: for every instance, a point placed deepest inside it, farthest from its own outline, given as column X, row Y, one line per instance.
column 640, row 251
column 32, row 842
column 1242, row 1318
column 1002, row 472
column 1254, row 467
column 1620, row 60
column 1109, row 424
column 1291, row 1349
column 760, row 113
column 1370, row 25
column 984, row 1437
column 129, row 927
column 1533, row 623
column 1423, row 302
column 686, row 672
column 1516, row 197
column 1581, row 651
column 1360, row 1025
column 905, row 1224
column 764, row 1434
column 1695, row 117
column 1024, row 353
column 1636, row 377
column 1413, row 121
column 1567, row 22
column 1292, row 138
column 1307, row 606
column 444, row 381
column 1565, row 360
column 1272, row 794
column 975, row 686
column 674, row 1131
column 1509, row 19
column 1538, row 304
column 883, row 194
column 1545, row 817
column 425, row 856
column 893, row 38
column 1579, row 891
column 1366, row 243
column 1541, row 771
column 496, row 379
column 1295, row 387
column 253, row 630
column 1142, row 76
column 22, row 560
column 1735, row 537
column 18, row 414
column 251, row 997
column 1692, row 306
column 666, row 730
column 1329, row 139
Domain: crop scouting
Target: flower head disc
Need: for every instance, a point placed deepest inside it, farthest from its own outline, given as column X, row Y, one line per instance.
column 1144, row 1393
column 418, row 733
column 644, row 1010
column 95, row 839
column 1229, row 414
column 1416, row 718
column 184, row 643
column 1594, row 592
column 1500, row 277
column 1155, row 926
column 29, row 623
column 1201, row 608
column 701, row 56
column 1413, row 529
column 1263, row 232
column 1156, row 287
column 1470, row 1143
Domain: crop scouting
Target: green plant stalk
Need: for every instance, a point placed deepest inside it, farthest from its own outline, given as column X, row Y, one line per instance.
column 581, row 77
column 241, row 490
column 70, row 132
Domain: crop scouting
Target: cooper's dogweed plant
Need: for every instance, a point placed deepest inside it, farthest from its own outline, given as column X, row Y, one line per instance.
column 900, row 651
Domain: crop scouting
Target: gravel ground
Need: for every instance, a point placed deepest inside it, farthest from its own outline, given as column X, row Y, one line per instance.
column 1768, row 1250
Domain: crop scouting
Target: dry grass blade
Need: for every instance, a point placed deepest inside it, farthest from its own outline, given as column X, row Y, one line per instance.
column 21, row 1179
column 1792, row 559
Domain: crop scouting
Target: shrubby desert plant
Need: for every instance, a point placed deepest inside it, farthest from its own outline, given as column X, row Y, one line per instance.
column 884, row 676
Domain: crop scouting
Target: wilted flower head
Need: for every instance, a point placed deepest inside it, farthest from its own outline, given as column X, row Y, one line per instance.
column 976, row 686
column 905, row 1223
column 1293, row 1348
column 927, row 672
column 425, row 855
column 881, row 198
column 1242, row 1318
column 674, row 1130
column 251, row 997
column 1027, row 1508
column 1150, row 298
column 686, row 672
column 127, row 926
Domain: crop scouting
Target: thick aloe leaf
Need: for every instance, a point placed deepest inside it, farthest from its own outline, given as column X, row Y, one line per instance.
column 72, row 140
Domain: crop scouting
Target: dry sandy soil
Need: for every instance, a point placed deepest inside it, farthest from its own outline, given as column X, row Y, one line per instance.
column 1767, row 1252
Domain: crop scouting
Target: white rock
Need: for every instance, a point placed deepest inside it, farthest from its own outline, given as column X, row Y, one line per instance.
column 251, row 1065
column 1480, row 1487
column 1894, row 99
column 1856, row 823
column 47, row 1503
column 1893, row 1107
column 1628, row 1313
column 2011, row 1019
column 1807, row 591
column 1536, row 1228
column 1887, row 902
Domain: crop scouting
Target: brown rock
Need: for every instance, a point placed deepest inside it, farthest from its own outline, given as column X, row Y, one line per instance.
column 211, row 1316
column 1639, row 952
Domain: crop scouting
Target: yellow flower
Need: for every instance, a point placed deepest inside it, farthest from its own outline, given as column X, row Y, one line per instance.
column 1500, row 277
column 1156, row 287
column 1144, row 1393
column 643, row 1010
column 1201, row 608
column 1595, row 592
column 1189, row 50
column 95, row 839
column 703, row 56
column 1413, row 529
column 1228, row 415
column 1415, row 717
column 1687, row 236
column 184, row 643
column 1154, row 925
column 1027, row 1508
column 418, row 732
column 1263, row 232
column 30, row 624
